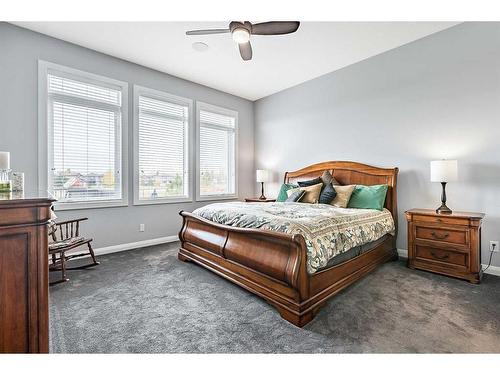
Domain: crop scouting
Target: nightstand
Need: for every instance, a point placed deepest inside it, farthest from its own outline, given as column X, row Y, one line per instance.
column 267, row 200
column 449, row 244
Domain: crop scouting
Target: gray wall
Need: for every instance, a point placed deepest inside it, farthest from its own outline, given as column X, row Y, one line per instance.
column 20, row 50
column 437, row 97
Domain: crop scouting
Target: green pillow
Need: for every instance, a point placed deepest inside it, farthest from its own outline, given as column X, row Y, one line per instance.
column 282, row 196
column 368, row 197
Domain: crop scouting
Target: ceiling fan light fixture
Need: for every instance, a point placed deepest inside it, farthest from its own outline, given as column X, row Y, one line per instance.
column 241, row 35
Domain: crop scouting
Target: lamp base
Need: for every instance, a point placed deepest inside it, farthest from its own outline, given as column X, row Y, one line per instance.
column 262, row 196
column 443, row 209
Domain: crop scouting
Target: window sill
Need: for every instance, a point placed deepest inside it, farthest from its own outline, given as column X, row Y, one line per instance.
column 63, row 206
column 138, row 202
column 216, row 198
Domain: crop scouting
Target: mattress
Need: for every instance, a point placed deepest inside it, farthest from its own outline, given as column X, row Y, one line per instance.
column 354, row 252
column 328, row 231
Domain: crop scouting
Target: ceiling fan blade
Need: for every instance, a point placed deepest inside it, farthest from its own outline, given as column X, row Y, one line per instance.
column 207, row 32
column 245, row 51
column 275, row 27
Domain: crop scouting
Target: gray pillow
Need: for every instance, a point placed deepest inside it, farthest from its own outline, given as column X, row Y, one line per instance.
column 296, row 196
column 328, row 194
column 327, row 178
column 312, row 182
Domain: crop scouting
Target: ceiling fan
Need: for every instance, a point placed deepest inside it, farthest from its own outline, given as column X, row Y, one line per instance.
column 241, row 32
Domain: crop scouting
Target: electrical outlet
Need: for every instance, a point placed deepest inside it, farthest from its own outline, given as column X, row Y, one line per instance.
column 494, row 246
column 142, row 228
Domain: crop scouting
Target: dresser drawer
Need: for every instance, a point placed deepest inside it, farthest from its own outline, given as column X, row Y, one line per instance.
column 457, row 236
column 441, row 219
column 441, row 255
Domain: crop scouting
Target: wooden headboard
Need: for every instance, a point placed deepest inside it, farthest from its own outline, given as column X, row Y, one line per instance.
column 352, row 173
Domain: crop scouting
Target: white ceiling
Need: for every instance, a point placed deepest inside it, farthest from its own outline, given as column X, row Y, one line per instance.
column 278, row 62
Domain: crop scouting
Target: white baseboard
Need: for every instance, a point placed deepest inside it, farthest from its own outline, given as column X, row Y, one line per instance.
column 134, row 245
column 403, row 253
column 492, row 270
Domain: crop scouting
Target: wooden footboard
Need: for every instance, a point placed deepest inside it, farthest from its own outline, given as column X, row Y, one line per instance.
column 269, row 264
column 272, row 265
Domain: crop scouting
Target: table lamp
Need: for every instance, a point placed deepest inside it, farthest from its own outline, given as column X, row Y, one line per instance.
column 444, row 171
column 263, row 175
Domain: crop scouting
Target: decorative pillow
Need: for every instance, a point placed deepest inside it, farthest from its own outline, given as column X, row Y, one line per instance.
column 314, row 181
column 295, row 196
column 327, row 194
column 311, row 193
column 282, row 196
column 343, row 195
column 368, row 197
column 327, row 178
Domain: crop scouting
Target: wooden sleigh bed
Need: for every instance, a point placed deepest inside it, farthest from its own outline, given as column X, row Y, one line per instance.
column 272, row 265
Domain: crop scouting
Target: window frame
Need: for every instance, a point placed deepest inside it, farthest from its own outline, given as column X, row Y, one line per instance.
column 162, row 95
column 201, row 106
column 45, row 132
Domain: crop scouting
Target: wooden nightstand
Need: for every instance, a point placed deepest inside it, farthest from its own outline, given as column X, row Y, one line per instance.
column 267, row 200
column 446, row 244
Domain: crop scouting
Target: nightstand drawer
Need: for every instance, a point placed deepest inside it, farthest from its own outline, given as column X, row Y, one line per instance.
column 445, row 235
column 441, row 255
column 441, row 219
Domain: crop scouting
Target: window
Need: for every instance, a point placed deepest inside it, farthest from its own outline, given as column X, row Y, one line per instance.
column 161, row 147
column 82, row 137
column 217, row 164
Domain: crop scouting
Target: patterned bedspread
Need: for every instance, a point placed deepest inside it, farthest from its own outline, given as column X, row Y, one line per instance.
column 328, row 230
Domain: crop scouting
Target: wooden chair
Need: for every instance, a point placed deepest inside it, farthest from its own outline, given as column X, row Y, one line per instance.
column 65, row 237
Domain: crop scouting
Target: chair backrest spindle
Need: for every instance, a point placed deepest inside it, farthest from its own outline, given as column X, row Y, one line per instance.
column 67, row 229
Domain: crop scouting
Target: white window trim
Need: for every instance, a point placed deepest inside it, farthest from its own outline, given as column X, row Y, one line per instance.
column 44, row 141
column 200, row 106
column 161, row 95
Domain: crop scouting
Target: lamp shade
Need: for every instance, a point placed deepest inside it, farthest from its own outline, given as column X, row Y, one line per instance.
column 263, row 175
column 444, row 170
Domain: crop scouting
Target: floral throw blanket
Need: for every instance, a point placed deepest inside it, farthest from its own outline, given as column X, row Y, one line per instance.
column 328, row 230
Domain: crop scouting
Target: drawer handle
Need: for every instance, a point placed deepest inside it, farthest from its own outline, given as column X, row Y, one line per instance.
column 437, row 236
column 446, row 256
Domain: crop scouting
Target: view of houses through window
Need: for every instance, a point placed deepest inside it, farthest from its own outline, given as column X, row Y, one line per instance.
column 84, row 125
column 85, row 157
column 217, row 152
column 163, row 146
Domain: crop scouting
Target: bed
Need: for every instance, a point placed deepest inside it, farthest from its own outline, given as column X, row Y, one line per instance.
column 275, row 265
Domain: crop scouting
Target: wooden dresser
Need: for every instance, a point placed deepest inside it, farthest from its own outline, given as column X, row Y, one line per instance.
column 24, row 315
column 446, row 244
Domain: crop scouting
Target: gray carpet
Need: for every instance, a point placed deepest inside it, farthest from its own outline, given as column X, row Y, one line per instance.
column 146, row 301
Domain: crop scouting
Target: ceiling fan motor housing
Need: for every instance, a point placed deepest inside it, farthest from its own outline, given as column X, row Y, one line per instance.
column 240, row 25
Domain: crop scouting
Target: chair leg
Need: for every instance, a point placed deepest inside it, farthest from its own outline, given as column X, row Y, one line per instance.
column 63, row 266
column 62, row 260
column 91, row 251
